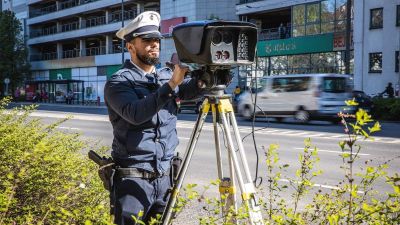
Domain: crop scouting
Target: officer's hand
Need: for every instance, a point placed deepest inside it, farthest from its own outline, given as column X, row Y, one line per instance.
column 178, row 76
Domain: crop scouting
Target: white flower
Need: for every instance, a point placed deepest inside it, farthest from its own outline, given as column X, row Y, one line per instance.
column 82, row 185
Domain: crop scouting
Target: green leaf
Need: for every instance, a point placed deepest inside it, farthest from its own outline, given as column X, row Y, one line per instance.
column 376, row 127
column 351, row 102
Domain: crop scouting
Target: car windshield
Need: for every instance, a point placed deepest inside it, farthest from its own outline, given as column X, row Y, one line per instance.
column 334, row 84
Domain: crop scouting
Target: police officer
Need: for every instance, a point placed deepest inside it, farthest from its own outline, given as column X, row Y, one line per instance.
column 142, row 110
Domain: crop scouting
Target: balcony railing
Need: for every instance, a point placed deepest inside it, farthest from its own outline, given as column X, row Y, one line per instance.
column 44, row 56
column 275, row 33
column 63, row 5
column 248, row 1
column 97, row 21
column 70, row 26
column 43, row 32
column 117, row 16
column 68, row 4
column 44, row 10
column 71, row 53
column 101, row 50
column 116, row 48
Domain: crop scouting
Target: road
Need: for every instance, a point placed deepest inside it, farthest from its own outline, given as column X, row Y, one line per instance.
column 289, row 136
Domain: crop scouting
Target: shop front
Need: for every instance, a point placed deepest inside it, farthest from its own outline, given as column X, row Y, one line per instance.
column 298, row 55
column 55, row 91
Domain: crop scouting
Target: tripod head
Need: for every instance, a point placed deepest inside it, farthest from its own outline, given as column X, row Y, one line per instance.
column 215, row 46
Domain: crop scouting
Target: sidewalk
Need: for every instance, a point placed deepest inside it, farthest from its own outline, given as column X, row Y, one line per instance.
column 102, row 106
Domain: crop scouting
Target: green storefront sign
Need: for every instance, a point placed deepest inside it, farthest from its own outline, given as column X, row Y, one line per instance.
column 298, row 45
column 110, row 70
column 60, row 74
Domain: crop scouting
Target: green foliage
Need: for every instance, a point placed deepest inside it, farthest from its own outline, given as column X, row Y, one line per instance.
column 352, row 201
column 44, row 176
column 386, row 109
column 14, row 62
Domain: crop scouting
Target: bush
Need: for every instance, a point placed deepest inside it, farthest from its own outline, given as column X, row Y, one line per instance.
column 386, row 109
column 45, row 177
column 352, row 201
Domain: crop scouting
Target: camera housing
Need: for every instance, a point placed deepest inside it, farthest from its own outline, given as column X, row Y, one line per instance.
column 216, row 42
column 216, row 46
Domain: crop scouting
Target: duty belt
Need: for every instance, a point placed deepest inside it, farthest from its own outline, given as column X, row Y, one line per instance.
column 133, row 172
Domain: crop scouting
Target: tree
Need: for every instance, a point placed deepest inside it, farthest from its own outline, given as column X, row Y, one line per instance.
column 14, row 62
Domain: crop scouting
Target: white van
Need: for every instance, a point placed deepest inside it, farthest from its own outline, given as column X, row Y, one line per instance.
column 302, row 96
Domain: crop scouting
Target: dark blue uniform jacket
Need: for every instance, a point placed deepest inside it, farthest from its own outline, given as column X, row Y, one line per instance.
column 142, row 111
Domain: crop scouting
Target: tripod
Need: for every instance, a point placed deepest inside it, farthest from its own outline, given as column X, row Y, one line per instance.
column 222, row 110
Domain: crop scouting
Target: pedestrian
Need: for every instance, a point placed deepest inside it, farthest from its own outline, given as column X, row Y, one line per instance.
column 70, row 97
column 282, row 31
column 236, row 93
column 389, row 90
column 142, row 110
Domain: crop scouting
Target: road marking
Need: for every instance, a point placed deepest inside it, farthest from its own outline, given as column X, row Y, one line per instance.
column 185, row 138
column 330, row 151
column 69, row 128
column 209, row 126
column 322, row 186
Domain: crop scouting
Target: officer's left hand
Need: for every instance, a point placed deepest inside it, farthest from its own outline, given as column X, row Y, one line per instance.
column 178, row 76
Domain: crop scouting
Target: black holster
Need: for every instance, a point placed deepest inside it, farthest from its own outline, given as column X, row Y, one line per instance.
column 106, row 169
column 176, row 163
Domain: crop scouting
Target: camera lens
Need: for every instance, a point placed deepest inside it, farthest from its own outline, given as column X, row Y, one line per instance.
column 217, row 37
column 227, row 37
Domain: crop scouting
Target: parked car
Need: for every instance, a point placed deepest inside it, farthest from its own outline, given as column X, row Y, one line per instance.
column 192, row 104
column 364, row 101
column 302, row 96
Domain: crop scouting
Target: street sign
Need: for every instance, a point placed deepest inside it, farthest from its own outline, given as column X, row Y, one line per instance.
column 6, row 81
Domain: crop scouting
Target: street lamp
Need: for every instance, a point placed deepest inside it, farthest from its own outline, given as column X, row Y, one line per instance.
column 122, row 42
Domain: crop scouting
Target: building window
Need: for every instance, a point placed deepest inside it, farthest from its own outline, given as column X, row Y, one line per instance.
column 376, row 20
column 375, row 62
column 398, row 16
column 397, row 62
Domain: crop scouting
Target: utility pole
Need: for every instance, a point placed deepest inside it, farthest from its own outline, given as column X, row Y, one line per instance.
column 348, row 30
column 123, row 41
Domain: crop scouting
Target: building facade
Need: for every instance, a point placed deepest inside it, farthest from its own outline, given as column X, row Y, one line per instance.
column 297, row 37
column 73, row 46
column 377, row 45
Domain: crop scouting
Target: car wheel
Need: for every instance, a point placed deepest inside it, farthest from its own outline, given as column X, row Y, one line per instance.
column 247, row 113
column 302, row 116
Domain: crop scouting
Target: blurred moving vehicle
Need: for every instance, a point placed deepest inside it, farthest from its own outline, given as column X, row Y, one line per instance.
column 364, row 101
column 302, row 96
column 192, row 104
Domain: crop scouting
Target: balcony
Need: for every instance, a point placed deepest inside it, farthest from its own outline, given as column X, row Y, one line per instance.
column 63, row 5
column 71, row 53
column 117, row 16
column 96, row 21
column 275, row 33
column 43, row 56
column 248, row 1
column 70, row 26
column 100, row 50
column 83, row 7
column 43, row 32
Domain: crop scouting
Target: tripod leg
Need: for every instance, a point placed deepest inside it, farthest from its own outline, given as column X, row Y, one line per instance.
column 247, row 189
column 217, row 143
column 166, row 218
column 227, row 184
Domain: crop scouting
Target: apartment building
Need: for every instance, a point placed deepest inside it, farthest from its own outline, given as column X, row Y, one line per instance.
column 73, row 46
column 296, row 37
column 377, row 45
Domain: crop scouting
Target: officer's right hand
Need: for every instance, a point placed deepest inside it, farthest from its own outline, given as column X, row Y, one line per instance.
column 178, row 76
